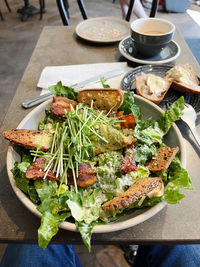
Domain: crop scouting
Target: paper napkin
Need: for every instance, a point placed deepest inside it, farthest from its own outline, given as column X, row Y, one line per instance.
column 77, row 73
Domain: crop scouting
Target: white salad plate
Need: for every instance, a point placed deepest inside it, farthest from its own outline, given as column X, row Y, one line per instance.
column 168, row 54
column 103, row 29
column 148, row 109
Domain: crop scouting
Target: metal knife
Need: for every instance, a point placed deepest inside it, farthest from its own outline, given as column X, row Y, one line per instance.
column 37, row 100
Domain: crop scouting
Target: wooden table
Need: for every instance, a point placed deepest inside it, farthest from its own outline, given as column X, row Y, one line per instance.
column 175, row 224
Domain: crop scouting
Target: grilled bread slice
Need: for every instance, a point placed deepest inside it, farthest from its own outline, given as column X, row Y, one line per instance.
column 184, row 78
column 152, row 87
column 163, row 159
column 29, row 138
column 143, row 187
column 103, row 99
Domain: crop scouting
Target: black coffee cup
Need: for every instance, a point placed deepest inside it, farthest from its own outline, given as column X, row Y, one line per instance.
column 151, row 35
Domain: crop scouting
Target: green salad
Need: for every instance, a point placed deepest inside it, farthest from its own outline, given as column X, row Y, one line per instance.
column 75, row 140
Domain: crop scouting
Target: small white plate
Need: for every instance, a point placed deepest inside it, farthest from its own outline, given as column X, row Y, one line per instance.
column 168, row 54
column 103, row 29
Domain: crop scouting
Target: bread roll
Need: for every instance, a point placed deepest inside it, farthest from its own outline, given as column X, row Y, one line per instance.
column 152, row 87
column 184, row 79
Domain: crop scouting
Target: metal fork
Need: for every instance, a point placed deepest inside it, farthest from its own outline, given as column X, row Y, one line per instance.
column 189, row 117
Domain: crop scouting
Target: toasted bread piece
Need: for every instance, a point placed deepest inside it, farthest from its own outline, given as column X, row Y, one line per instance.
column 29, row 138
column 103, row 99
column 152, row 87
column 143, row 187
column 184, row 78
column 164, row 157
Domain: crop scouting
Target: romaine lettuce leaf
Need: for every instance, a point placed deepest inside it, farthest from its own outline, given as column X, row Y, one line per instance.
column 150, row 135
column 49, row 205
column 63, row 202
column 86, row 232
column 142, row 172
column 128, row 179
column 178, row 179
column 122, row 184
column 109, row 166
column 61, row 90
column 33, row 193
column 19, row 172
column 143, row 124
column 49, row 227
column 85, row 206
column 171, row 115
column 149, row 202
column 129, row 106
column 149, row 131
column 77, row 211
column 45, row 188
column 143, row 152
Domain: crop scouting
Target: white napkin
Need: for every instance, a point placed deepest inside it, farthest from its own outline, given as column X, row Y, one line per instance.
column 77, row 73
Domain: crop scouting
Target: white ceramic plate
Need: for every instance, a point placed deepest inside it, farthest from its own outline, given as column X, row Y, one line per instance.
column 103, row 29
column 148, row 109
column 168, row 54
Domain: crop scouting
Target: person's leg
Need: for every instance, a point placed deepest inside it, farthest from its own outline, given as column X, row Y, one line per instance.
column 23, row 255
column 164, row 256
column 138, row 9
column 124, row 7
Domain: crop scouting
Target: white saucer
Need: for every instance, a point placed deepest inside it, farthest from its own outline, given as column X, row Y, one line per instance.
column 168, row 54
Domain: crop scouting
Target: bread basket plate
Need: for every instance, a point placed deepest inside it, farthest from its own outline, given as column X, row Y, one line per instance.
column 128, row 83
column 168, row 54
column 172, row 139
column 103, row 29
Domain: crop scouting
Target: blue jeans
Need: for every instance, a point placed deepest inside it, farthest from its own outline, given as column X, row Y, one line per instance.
column 168, row 256
column 24, row 255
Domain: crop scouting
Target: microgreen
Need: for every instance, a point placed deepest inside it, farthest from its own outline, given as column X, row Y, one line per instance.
column 103, row 80
column 71, row 143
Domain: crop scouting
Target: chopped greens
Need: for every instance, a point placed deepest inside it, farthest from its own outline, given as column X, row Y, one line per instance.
column 49, row 227
column 86, row 232
column 171, row 115
column 103, row 80
column 129, row 106
column 76, row 139
column 60, row 90
column 177, row 178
